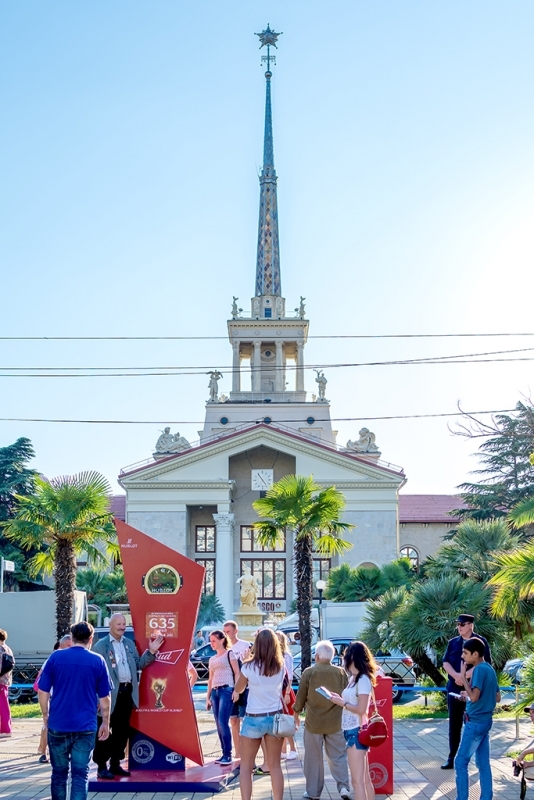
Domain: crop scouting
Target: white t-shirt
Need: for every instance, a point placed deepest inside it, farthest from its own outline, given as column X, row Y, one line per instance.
column 265, row 693
column 288, row 661
column 350, row 695
column 240, row 648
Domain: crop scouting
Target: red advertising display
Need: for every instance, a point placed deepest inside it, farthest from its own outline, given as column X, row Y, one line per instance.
column 164, row 589
column 381, row 757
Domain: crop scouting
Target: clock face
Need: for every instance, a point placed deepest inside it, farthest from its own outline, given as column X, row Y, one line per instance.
column 262, row 479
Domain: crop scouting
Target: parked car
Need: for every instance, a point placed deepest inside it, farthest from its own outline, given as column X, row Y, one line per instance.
column 396, row 665
column 514, row 669
column 200, row 660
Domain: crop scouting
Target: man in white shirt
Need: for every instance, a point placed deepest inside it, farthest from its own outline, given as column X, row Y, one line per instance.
column 241, row 648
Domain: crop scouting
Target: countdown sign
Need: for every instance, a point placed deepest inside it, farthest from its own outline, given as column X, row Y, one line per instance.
column 161, row 622
column 164, row 589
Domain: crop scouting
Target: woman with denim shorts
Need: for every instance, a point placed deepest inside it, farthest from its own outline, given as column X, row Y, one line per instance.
column 263, row 672
column 362, row 669
column 224, row 672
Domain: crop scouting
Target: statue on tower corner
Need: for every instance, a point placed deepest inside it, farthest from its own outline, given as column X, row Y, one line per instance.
column 213, row 385
column 301, row 310
column 365, row 444
column 235, row 309
column 321, row 381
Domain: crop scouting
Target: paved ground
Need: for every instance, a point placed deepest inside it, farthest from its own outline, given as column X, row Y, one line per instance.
column 419, row 747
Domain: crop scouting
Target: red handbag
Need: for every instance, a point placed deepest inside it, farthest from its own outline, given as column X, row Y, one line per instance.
column 375, row 732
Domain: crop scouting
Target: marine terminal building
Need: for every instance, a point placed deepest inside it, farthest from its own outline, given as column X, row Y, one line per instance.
column 197, row 497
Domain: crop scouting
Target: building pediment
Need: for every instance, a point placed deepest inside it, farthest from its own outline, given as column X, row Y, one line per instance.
column 207, row 463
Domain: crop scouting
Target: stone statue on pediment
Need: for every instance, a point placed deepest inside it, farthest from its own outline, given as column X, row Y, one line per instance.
column 321, row 381
column 365, row 444
column 235, row 310
column 168, row 444
column 213, row 385
column 249, row 590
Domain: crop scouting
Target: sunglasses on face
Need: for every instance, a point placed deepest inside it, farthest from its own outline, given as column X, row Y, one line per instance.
column 462, row 624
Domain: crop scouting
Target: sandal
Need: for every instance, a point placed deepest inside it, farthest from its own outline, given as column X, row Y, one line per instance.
column 260, row 771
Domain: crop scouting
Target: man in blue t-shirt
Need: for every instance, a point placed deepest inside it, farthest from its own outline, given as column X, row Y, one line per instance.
column 80, row 682
column 481, row 691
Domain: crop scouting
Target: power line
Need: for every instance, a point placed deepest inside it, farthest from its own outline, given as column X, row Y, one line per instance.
column 214, row 338
column 256, row 420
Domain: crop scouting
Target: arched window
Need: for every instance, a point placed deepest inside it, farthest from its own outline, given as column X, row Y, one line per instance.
column 411, row 553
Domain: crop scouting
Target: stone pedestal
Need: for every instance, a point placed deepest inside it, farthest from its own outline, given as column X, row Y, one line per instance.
column 249, row 617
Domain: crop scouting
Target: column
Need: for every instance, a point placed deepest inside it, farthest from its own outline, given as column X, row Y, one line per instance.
column 256, row 369
column 236, row 374
column 224, row 566
column 300, row 366
column 279, row 375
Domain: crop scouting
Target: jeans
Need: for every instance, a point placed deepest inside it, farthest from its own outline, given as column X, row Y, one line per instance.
column 74, row 750
column 221, row 701
column 475, row 739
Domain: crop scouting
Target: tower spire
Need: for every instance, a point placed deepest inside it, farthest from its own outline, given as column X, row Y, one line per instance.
column 268, row 280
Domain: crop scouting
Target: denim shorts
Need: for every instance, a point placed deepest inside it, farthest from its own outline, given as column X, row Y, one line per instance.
column 351, row 738
column 257, row 727
column 238, row 711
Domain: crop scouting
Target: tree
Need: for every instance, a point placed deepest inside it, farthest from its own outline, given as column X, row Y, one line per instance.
column 66, row 517
column 514, row 596
column 15, row 479
column 298, row 503
column 507, row 473
column 210, row 611
column 347, row 584
column 102, row 587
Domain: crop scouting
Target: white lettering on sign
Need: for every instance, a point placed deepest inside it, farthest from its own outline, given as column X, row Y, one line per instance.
column 169, row 656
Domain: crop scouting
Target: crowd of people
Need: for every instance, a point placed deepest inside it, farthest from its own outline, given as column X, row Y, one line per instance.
column 255, row 709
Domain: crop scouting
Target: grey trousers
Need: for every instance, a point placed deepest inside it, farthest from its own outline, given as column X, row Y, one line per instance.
column 336, row 755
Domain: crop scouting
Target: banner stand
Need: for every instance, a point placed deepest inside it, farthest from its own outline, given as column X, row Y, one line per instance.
column 164, row 589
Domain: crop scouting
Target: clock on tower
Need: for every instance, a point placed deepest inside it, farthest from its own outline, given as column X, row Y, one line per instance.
column 261, row 480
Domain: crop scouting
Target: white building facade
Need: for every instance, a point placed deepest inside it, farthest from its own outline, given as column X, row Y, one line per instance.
column 198, row 498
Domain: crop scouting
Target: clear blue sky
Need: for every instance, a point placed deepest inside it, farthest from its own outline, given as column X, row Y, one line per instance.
column 130, row 144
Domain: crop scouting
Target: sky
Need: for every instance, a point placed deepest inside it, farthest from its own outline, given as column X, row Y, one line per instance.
column 130, row 148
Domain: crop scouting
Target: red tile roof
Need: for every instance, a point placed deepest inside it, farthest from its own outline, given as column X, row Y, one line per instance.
column 428, row 507
column 118, row 506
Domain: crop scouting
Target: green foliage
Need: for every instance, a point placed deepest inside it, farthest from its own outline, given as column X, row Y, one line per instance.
column 348, row 584
column 507, row 473
column 210, row 611
column 102, row 587
column 298, row 503
column 514, row 594
column 15, row 479
column 527, row 684
column 66, row 517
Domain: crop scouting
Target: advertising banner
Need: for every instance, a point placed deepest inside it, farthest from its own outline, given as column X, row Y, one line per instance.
column 164, row 589
column 381, row 757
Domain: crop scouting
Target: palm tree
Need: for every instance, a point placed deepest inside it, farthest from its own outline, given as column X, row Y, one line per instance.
column 65, row 518
column 523, row 513
column 298, row 503
column 514, row 596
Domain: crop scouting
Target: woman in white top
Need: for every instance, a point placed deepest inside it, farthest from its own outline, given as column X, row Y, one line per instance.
column 362, row 668
column 263, row 672
column 224, row 672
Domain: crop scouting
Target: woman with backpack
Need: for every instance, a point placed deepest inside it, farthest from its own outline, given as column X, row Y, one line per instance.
column 6, row 679
column 223, row 675
column 362, row 670
column 263, row 672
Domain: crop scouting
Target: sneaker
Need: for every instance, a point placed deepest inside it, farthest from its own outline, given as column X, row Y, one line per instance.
column 345, row 793
column 283, row 755
column 43, row 759
column 309, row 797
column 224, row 761
column 291, row 755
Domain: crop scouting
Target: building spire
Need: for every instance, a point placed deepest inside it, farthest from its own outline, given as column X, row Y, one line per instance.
column 268, row 280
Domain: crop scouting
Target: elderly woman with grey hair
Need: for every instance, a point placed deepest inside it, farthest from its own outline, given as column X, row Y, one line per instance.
column 323, row 723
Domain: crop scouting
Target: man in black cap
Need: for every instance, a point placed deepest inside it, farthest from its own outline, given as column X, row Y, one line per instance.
column 452, row 662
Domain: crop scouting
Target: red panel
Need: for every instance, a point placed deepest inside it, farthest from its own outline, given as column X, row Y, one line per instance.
column 166, row 711
column 381, row 757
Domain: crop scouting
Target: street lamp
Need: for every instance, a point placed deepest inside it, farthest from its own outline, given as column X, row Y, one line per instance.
column 320, row 586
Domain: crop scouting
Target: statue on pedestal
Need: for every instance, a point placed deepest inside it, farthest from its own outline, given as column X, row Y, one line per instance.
column 365, row 444
column 235, row 309
column 249, row 590
column 213, row 385
column 301, row 310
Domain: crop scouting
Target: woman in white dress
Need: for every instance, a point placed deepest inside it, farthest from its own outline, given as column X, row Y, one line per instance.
column 362, row 669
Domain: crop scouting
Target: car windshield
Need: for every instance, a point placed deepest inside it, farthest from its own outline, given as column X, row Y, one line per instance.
column 205, row 651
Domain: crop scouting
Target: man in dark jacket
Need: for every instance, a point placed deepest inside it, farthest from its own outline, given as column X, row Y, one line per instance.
column 452, row 664
column 123, row 662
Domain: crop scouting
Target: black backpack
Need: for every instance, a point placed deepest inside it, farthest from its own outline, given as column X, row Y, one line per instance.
column 7, row 663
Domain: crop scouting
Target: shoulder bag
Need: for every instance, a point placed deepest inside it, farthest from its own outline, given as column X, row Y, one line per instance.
column 7, row 662
column 284, row 723
column 375, row 731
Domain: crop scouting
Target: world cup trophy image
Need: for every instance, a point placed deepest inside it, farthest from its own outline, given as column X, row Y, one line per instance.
column 158, row 687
